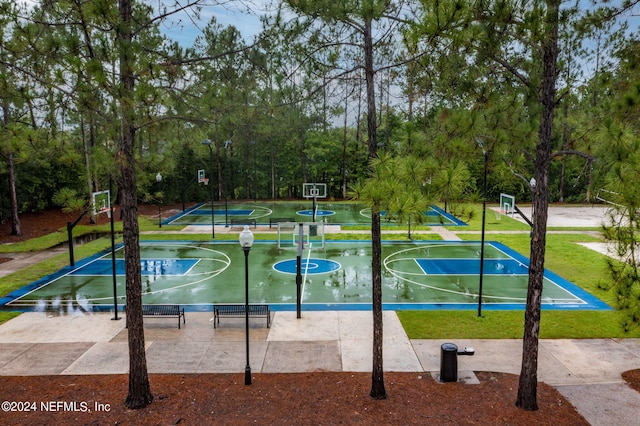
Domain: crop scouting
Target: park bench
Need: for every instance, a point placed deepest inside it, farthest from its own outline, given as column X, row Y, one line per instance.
column 276, row 220
column 164, row 311
column 242, row 222
column 238, row 311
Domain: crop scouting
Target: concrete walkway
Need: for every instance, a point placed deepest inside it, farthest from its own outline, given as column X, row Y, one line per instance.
column 19, row 261
column 587, row 372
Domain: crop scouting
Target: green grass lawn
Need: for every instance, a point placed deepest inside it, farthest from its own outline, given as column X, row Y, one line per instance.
column 509, row 325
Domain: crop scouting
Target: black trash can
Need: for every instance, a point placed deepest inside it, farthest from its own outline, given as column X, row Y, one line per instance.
column 448, row 362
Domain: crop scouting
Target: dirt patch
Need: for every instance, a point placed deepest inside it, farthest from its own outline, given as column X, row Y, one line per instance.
column 35, row 225
column 301, row 399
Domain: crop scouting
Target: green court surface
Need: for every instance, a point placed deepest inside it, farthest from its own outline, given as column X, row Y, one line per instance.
column 343, row 213
column 420, row 275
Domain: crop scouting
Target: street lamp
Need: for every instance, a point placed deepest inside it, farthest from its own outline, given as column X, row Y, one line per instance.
column 485, row 154
column 227, row 144
column 159, row 180
column 246, row 241
column 532, row 185
column 213, row 230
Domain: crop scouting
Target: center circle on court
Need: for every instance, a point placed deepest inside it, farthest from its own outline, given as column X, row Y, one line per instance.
column 307, row 266
column 309, row 212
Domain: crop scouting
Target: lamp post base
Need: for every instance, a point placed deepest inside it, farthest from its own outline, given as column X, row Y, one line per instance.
column 247, row 375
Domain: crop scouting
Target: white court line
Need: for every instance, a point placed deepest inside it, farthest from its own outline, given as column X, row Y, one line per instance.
column 306, row 269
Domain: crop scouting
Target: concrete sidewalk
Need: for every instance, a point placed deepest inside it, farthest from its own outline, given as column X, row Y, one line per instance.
column 587, row 372
column 19, row 261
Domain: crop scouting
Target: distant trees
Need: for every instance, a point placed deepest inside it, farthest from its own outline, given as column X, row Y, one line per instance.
column 619, row 135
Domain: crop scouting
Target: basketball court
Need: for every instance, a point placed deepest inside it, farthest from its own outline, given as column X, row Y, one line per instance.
column 335, row 213
column 336, row 275
column 314, row 208
column 333, row 275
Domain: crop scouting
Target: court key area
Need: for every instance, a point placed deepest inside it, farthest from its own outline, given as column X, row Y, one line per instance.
column 335, row 275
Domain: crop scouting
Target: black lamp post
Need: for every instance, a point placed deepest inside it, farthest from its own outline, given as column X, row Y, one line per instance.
column 485, row 154
column 213, row 230
column 159, row 180
column 227, row 144
column 113, row 253
column 246, row 241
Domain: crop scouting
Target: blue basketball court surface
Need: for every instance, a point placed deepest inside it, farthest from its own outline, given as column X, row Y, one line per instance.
column 337, row 213
column 417, row 275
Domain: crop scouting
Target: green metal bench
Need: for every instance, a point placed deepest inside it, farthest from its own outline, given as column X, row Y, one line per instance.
column 164, row 311
column 276, row 220
column 239, row 311
column 242, row 222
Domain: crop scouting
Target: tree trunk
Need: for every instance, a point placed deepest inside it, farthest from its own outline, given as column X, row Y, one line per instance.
column 565, row 145
column 11, row 170
column 139, row 395
column 344, row 145
column 272, row 156
column 377, row 375
column 527, row 389
column 15, row 218
column 87, row 169
column 589, row 181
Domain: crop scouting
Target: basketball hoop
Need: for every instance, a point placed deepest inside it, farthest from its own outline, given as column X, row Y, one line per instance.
column 101, row 202
column 205, row 181
column 314, row 190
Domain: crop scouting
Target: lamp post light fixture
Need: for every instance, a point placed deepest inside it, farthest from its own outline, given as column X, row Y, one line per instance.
column 227, row 144
column 246, row 241
column 159, row 180
column 532, row 185
column 213, row 227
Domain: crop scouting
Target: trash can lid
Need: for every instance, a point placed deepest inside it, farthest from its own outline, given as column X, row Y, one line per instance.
column 449, row 347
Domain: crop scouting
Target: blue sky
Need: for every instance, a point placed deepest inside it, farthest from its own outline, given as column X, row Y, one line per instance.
column 247, row 23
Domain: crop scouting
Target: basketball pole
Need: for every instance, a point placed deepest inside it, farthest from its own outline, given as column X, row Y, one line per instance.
column 484, row 209
column 70, row 226
column 313, row 211
column 299, row 270
column 113, row 255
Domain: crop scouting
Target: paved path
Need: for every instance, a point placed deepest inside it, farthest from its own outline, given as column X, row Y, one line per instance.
column 587, row 372
column 20, row 261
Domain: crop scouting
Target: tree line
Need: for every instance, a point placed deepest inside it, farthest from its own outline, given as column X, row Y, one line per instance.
column 292, row 117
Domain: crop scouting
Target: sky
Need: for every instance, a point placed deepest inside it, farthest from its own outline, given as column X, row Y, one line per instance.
column 232, row 12
column 247, row 23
